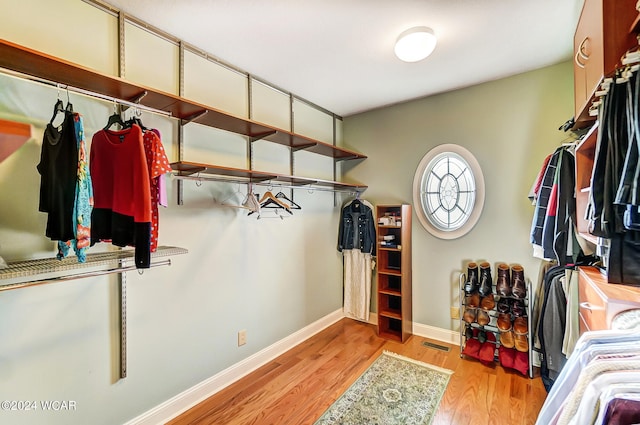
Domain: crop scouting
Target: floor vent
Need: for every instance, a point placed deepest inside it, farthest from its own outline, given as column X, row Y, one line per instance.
column 436, row 346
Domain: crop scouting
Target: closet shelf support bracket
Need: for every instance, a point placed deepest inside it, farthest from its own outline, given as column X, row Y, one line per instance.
column 192, row 118
column 260, row 136
column 302, row 147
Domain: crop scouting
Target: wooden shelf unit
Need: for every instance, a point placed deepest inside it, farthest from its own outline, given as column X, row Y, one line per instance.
column 395, row 319
column 30, row 62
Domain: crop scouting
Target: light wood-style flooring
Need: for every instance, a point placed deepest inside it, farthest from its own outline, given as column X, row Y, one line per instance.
column 298, row 386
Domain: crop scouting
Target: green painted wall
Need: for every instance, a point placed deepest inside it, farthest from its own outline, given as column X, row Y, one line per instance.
column 509, row 125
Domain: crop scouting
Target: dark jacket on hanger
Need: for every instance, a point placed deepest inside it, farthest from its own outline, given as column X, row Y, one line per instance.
column 357, row 228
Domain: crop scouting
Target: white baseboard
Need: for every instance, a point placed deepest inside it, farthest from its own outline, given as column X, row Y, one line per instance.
column 205, row 389
column 426, row 331
column 439, row 334
column 171, row 408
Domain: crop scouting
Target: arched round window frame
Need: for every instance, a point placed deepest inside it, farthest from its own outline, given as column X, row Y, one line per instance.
column 426, row 165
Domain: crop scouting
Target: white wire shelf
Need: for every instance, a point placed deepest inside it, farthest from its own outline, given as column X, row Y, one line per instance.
column 25, row 273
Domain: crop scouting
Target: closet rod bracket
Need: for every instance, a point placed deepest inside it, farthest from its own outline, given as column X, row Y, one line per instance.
column 135, row 99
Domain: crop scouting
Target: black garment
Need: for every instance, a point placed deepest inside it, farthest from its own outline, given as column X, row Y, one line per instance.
column 611, row 148
column 565, row 244
column 548, row 376
column 58, row 168
column 542, row 203
column 357, row 228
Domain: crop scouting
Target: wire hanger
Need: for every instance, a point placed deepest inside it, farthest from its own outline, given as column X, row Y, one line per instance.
column 57, row 108
column 226, row 203
column 292, row 205
column 270, row 201
column 69, row 107
column 135, row 119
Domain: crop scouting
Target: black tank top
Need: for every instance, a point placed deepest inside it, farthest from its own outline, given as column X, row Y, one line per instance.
column 58, row 170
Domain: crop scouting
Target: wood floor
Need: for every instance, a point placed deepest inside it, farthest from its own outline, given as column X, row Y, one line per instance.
column 297, row 387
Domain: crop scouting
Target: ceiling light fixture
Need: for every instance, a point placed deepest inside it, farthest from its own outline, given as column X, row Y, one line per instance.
column 415, row 44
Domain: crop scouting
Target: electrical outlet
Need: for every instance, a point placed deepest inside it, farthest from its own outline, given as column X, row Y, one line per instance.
column 455, row 312
column 242, row 337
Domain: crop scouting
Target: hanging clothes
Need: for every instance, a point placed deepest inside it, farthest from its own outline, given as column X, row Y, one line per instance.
column 357, row 227
column 553, row 229
column 122, row 197
column 602, row 360
column 58, row 174
column 83, row 205
column 615, row 195
column 356, row 241
column 157, row 166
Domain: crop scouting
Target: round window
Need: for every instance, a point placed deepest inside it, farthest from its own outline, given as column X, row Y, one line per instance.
column 448, row 191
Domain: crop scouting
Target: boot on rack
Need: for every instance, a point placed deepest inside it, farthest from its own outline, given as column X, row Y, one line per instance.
column 519, row 287
column 486, row 282
column 471, row 285
column 503, row 281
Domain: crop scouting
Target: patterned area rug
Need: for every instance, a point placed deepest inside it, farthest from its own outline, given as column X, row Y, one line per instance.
column 393, row 390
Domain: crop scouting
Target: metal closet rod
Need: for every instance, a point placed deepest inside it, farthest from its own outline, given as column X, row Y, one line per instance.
column 267, row 183
column 86, row 92
column 78, row 276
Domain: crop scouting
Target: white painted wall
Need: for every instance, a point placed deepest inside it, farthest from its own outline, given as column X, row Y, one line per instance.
column 509, row 125
column 271, row 277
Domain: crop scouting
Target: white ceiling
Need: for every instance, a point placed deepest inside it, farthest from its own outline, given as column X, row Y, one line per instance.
column 339, row 55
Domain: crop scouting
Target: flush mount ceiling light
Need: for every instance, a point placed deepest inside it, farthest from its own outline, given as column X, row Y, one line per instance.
column 415, row 44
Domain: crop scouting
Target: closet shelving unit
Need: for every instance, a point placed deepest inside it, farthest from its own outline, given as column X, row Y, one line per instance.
column 29, row 62
column 395, row 317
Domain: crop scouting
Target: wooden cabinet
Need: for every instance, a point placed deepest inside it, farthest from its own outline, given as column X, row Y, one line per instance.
column 604, row 33
column 601, row 301
column 393, row 230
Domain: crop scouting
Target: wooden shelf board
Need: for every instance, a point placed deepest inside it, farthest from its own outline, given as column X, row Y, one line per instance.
column 390, row 272
column 37, row 64
column 391, row 292
column 297, row 141
column 186, row 168
column 390, row 314
column 390, row 334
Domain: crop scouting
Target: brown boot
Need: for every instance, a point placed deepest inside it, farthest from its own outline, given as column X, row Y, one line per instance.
column 519, row 287
column 503, row 281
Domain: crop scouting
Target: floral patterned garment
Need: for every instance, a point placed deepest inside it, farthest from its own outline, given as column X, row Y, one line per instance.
column 83, row 205
column 157, row 164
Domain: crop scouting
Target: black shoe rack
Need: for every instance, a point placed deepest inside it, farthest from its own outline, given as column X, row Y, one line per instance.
column 480, row 332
